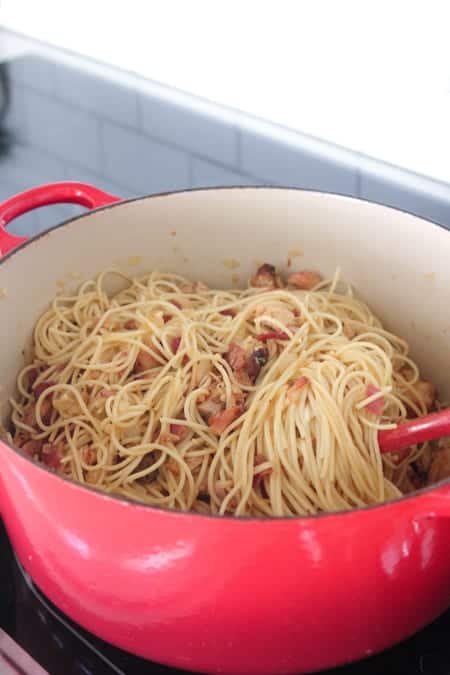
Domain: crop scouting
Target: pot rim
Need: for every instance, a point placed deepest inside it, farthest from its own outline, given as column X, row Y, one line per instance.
column 236, row 519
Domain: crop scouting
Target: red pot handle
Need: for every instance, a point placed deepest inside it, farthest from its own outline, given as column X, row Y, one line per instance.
column 67, row 192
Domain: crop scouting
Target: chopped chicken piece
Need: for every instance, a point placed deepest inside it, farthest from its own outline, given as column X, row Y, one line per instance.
column 305, row 280
column 265, row 277
column 276, row 310
column 440, row 465
column 348, row 331
column 209, row 408
column 426, row 392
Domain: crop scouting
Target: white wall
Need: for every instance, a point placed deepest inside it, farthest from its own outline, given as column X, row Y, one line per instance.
column 371, row 76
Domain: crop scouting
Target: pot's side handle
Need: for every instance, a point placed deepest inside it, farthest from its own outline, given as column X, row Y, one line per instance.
column 67, row 192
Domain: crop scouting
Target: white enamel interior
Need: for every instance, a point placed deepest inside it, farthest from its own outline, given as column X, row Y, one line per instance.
column 400, row 264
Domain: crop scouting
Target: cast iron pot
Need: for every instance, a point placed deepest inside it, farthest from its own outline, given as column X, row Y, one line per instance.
column 222, row 594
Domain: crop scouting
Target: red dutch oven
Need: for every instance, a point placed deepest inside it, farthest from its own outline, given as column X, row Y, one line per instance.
column 222, row 594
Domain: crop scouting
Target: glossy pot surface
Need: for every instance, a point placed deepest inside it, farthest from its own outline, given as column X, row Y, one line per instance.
column 224, row 595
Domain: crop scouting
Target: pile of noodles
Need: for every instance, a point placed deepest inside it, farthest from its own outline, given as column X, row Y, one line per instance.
column 304, row 439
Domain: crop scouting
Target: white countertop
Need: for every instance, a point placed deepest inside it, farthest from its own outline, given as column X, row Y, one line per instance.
column 374, row 79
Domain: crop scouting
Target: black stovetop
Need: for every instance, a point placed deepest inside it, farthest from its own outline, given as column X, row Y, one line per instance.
column 60, row 646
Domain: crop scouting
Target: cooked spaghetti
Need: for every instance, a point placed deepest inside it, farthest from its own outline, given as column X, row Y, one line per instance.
column 265, row 401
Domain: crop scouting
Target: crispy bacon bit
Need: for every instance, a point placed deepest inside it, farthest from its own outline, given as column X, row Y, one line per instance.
column 209, row 408
column 236, row 356
column 228, row 312
column 41, row 387
column 167, row 317
column 30, row 417
column 172, row 466
column 46, row 409
column 32, row 377
column 259, row 477
column 51, row 455
column 305, row 280
column 179, row 431
column 20, row 438
column 256, row 361
column 144, row 361
column 131, row 324
column 293, row 392
column 88, row 455
column 265, row 277
column 32, row 448
column 175, row 344
column 376, row 407
column 218, row 423
column 426, row 392
column 273, row 335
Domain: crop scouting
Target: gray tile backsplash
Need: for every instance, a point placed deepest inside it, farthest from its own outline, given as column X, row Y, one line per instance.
column 280, row 163
column 140, row 163
column 193, row 131
column 34, row 71
column 207, row 174
column 62, row 130
column 70, row 123
column 99, row 95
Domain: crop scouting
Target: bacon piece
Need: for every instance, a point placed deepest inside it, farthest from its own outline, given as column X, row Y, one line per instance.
column 257, row 359
column 273, row 335
column 265, row 277
column 41, row 387
column 51, row 455
column 376, row 407
column 175, row 344
column 218, row 423
column 131, row 324
column 179, row 431
column 106, row 393
column 20, row 438
column 88, row 455
column 30, row 417
column 144, row 361
column 176, row 303
column 293, row 392
column 32, row 376
column 236, row 356
column 305, row 280
column 228, row 312
column 259, row 477
column 33, row 448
